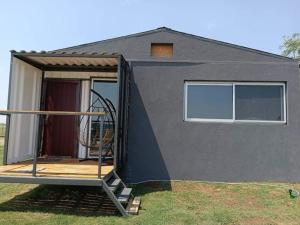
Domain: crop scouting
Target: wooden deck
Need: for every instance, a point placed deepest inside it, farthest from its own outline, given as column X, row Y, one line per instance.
column 61, row 169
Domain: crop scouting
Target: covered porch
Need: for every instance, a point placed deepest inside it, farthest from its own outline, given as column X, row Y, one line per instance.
column 67, row 122
column 78, row 133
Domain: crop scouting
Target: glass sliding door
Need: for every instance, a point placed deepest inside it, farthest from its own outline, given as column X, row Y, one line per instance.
column 103, row 99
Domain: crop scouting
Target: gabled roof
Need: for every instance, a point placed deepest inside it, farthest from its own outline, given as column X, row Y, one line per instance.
column 166, row 29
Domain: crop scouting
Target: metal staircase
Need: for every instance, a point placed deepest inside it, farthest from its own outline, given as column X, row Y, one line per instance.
column 114, row 187
column 121, row 195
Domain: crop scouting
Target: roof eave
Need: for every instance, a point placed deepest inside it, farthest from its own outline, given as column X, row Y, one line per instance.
column 82, row 61
column 54, row 54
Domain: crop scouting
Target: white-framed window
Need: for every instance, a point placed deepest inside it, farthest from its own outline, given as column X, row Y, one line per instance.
column 235, row 101
column 107, row 88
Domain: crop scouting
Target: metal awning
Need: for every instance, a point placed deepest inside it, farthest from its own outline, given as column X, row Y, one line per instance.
column 58, row 61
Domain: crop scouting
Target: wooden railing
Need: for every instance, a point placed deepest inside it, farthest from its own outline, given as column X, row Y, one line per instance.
column 8, row 113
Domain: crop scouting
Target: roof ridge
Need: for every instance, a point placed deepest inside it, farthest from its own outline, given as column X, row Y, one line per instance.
column 231, row 45
column 159, row 29
column 116, row 38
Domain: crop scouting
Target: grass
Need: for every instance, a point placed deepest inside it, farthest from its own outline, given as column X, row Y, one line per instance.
column 2, row 129
column 174, row 203
column 1, row 149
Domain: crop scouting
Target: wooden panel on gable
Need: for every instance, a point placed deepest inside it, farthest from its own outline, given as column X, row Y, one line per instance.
column 162, row 50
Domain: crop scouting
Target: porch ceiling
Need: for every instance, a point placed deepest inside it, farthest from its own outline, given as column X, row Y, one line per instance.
column 48, row 60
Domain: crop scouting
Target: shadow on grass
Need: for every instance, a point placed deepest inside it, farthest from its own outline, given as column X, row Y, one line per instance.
column 69, row 200
column 74, row 200
column 150, row 187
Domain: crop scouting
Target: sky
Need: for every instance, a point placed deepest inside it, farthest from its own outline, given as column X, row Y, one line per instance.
column 53, row 24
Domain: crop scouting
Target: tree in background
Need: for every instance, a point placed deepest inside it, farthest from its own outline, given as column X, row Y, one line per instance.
column 291, row 46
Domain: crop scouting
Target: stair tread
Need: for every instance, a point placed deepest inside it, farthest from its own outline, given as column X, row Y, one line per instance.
column 136, row 201
column 115, row 182
column 114, row 185
column 134, row 206
column 108, row 177
column 124, row 195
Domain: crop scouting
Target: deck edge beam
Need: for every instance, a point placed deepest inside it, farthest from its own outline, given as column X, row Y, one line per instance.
column 51, row 181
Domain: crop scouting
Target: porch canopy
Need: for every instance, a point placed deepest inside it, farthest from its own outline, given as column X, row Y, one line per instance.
column 52, row 61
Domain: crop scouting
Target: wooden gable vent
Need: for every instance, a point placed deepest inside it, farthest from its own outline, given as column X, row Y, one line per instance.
column 162, row 50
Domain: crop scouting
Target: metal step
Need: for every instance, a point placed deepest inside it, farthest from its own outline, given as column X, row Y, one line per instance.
column 108, row 177
column 121, row 195
column 124, row 195
column 114, row 185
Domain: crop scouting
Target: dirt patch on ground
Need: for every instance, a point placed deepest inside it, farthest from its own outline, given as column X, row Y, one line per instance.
column 251, row 202
column 257, row 221
column 193, row 186
column 224, row 196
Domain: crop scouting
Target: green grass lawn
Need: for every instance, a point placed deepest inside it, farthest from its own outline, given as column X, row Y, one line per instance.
column 1, row 149
column 172, row 203
column 2, row 129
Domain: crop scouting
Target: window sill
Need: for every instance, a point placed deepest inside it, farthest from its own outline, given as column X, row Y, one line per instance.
column 237, row 121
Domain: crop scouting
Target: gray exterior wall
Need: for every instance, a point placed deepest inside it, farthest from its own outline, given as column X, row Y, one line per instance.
column 162, row 146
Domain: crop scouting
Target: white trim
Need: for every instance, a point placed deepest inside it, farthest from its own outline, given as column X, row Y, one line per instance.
column 79, row 75
column 213, row 83
column 85, row 102
column 233, row 102
column 233, row 84
column 284, row 103
column 280, row 185
column 90, row 121
column 260, row 83
column 185, row 102
column 209, row 120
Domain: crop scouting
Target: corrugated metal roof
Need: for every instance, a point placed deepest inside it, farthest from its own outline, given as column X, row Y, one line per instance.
column 73, row 59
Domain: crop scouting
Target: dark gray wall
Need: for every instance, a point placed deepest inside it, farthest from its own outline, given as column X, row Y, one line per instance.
column 162, row 146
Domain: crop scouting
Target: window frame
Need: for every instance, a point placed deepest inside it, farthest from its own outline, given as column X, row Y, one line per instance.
column 233, row 84
column 92, row 81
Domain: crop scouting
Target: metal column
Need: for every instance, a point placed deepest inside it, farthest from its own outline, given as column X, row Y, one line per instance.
column 100, row 147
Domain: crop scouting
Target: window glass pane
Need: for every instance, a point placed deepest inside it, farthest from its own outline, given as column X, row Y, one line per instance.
column 259, row 102
column 108, row 90
column 209, row 101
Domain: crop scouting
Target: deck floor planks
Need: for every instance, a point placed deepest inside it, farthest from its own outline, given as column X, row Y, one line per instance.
column 62, row 168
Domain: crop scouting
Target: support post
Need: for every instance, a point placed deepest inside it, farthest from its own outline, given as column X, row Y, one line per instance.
column 6, row 138
column 35, row 150
column 116, row 137
column 100, row 146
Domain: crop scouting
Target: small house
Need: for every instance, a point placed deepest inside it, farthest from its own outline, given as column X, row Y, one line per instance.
column 157, row 105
